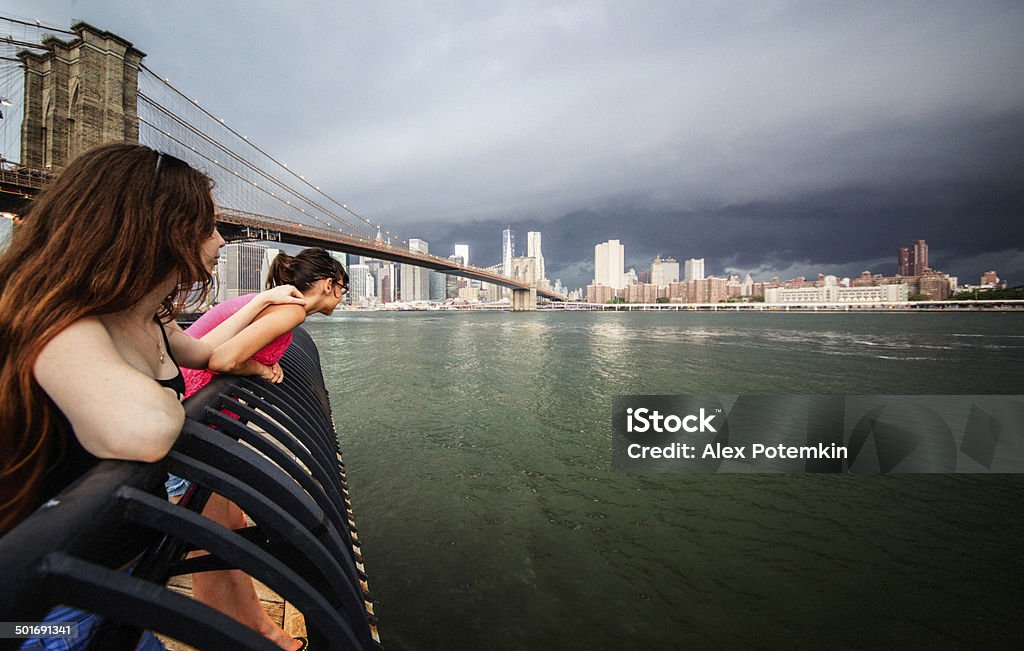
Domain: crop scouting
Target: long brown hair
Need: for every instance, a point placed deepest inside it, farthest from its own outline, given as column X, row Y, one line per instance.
column 116, row 223
column 305, row 268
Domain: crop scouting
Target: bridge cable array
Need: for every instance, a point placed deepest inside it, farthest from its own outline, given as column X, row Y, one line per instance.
column 203, row 115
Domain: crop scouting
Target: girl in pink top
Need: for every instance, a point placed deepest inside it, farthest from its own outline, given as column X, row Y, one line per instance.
column 257, row 349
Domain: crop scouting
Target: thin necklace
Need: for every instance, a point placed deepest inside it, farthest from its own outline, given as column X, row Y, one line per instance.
column 156, row 341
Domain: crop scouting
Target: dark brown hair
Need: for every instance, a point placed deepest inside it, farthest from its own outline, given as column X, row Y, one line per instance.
column 304, row 269
column 118, row 221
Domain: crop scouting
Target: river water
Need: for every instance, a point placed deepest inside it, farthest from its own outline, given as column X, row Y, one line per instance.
column 478, row 455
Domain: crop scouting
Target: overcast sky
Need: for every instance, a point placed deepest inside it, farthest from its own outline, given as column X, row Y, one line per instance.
column 768, row 136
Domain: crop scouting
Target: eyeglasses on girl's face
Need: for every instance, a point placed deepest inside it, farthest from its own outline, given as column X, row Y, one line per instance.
column 335, row 285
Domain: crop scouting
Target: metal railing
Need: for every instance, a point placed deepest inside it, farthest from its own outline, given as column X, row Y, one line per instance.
column 110, row 542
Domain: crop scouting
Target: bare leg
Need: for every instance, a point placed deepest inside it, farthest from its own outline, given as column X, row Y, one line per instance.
column 231, row 591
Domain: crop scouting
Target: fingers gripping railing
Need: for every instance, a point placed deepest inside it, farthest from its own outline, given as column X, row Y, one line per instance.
column 109, row 543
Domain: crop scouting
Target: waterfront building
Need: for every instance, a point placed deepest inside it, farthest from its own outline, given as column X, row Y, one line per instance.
column 912, row 260
column 641, row 293
column 905, row 261
column 453, row 283
column 508, row 251
column 630, row 278
column 664, row 271
column 694, row 269
column 415, row 281
column 935, row 285
column 597, row 293
column 700, row 290
column 747, row 287
column 533, row 251
column 920, row 257
column 360, row 284
column 462, row 251
column 489, row 292
column 832, row 292
column 438, row 283
column 990, row 280
column 240, row 270
column 609, row 261
column 387, row 280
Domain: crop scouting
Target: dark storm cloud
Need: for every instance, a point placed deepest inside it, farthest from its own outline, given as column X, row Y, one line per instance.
column 761, row 135
column 964, row 195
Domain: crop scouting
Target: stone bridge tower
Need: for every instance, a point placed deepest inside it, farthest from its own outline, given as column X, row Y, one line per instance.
column 79, row 94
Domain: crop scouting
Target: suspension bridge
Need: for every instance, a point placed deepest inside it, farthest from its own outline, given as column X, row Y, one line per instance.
column 47, row 121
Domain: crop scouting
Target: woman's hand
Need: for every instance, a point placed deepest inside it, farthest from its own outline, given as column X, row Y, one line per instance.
column 283, row 295
column 272, row 374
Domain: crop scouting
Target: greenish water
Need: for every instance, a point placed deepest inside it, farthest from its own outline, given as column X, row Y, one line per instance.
column 478, row 454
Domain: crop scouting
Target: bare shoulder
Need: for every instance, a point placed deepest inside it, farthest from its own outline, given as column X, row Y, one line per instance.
column 284, row 313
column 87, row 336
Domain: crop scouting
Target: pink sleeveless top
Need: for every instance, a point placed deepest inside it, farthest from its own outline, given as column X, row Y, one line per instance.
column 196, row 379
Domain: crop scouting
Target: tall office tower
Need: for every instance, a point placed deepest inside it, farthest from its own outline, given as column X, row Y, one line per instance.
column 920, row 257
column 462, row 251
column 694, row 269
column 415, row 282
column 559, row 288
column 609, row 260
column 664, row 271
column 437, row 284
column 242, row 269
column 359, row 288
column 508, row 251
column 386, row 282
column 533, row 251
column 912, row 260
column 905, row 261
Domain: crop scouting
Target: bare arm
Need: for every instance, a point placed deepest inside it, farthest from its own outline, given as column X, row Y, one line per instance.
column 233, row 356
column 117, row 411
column 231, row 326
column 195, row 353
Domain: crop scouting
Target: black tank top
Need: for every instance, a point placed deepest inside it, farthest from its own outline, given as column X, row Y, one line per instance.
column 176, row 383
column 72, row 460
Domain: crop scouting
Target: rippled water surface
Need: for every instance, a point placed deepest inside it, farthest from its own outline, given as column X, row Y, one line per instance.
column 478, row 454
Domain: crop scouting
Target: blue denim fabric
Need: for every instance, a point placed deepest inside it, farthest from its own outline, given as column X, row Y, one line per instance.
column 176, row 485
column 87, row 624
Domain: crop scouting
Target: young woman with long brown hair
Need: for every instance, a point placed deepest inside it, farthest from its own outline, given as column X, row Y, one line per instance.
column 89, row 351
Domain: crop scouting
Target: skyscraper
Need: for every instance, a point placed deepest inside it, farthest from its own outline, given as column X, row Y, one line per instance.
column 905, row 261
column 920, row 257
column 240, row 270
column 462, row 251
column 609, row 260
column 694, row 269
column 508, row 251
column 912, row 260
column 664, row 271
column 533, row 251
column 360, row 283
column 415, row 282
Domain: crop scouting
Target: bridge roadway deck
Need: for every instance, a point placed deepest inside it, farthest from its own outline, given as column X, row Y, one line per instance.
column 19, row 184
column 236, row 224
